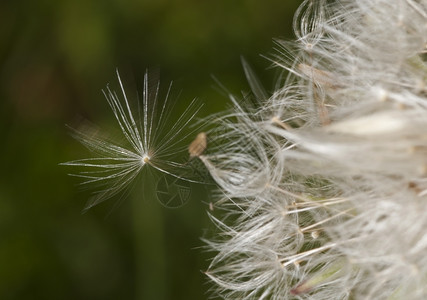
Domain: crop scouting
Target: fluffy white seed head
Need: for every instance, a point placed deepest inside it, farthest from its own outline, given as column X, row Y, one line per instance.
column 325, row 183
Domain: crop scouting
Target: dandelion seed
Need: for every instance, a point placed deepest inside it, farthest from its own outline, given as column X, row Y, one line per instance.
column 198, row 146
column 147, row 143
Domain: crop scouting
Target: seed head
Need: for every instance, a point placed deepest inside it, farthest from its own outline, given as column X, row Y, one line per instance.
column 324, row 184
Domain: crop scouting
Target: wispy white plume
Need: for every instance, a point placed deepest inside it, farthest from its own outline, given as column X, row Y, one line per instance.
column 150, row 140
column 325, row 184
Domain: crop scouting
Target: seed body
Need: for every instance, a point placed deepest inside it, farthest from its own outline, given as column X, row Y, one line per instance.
column 198, row 146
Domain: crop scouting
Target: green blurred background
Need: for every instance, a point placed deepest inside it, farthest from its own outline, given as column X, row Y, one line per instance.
column 55, row 58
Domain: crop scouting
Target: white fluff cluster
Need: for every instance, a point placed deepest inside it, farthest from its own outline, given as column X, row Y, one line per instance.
column 325, row 186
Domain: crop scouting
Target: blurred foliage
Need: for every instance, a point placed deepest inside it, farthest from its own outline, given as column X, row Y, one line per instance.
column 55, row 58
